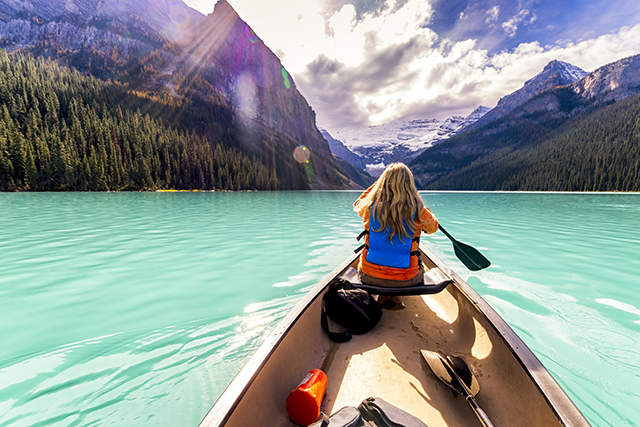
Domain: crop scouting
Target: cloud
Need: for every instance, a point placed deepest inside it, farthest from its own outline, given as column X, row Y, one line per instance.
column 357, row 95
column 361, row 63
column 511, row 26
column 492, row 15
column 330, row 84
column 361, row 7
column 420, row 78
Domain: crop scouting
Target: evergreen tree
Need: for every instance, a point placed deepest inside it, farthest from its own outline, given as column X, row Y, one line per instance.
column 60, row 130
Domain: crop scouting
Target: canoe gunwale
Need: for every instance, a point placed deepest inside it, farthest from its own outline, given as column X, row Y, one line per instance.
column 554, row 394
column 227, row 402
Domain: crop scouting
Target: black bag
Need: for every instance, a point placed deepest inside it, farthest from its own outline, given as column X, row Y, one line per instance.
column 372, row 412
column 354, row 309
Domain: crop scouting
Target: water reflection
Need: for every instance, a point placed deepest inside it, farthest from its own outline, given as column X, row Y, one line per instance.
column 133, row 309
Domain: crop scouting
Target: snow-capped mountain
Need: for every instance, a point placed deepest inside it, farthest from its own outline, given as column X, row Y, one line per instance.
column 555, row 73
column 398, row 141
column 475, row 115
column 568, row 119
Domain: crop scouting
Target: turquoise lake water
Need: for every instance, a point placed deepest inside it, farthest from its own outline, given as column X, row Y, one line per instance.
column 131, row 309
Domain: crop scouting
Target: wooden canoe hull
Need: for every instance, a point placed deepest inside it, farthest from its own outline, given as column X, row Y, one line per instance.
column 515, row 389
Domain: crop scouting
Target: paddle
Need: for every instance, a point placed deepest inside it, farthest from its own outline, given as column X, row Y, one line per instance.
column 469, row 256
column 454, row 372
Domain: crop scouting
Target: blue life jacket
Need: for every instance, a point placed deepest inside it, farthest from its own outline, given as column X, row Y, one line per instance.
column 395, row 253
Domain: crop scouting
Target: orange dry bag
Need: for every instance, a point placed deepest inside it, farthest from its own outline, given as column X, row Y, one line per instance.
column 303, row 403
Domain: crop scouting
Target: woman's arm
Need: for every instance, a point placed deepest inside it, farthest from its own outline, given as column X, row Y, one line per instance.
column 363, row 195
column 429, row 221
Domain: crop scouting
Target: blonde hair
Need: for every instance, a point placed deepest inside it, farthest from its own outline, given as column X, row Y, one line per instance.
column 395, row 199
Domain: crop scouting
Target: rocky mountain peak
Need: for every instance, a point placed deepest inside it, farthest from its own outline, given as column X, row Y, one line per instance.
column 612, row 82
column 476, row 114
column 164, row 47
column 555, row 73
column 567, row 72
column 223, row 5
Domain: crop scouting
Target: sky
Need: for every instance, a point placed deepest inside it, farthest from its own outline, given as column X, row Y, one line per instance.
column 369, row 62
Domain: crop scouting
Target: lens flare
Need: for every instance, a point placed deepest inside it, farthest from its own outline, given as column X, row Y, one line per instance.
column 285, row 76
column 301, row 154
column 245, row 96
column 253, row 38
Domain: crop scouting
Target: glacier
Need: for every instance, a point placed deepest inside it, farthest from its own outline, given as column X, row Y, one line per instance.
column 397, row 141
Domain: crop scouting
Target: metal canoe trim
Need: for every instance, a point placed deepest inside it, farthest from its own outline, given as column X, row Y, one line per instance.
column 558, row 400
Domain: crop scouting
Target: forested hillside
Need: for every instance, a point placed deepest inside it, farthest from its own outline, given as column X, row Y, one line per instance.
column 597, row 150
column 208, row 79
column 60, row 130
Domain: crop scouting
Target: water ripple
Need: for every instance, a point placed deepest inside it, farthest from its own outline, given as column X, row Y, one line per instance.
column 139, row 308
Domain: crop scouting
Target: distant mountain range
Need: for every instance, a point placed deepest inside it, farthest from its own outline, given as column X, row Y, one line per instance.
column 579, row 135
column 374, row 147
column 192, row 101
column 169, row 53
column 564, row 130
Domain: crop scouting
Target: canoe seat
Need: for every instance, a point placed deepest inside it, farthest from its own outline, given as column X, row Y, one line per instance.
column 434, row 281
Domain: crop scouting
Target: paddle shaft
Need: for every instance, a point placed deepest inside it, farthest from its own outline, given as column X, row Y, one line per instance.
column 441, row 228
column 482, row 416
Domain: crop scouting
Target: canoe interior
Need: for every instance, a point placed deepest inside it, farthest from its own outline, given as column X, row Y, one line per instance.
column 387, row 363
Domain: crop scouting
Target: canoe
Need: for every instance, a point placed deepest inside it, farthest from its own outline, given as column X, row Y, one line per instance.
column 386, row 363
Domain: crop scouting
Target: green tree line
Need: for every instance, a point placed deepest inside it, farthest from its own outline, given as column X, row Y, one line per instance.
column 596, row 150
column 61, row 130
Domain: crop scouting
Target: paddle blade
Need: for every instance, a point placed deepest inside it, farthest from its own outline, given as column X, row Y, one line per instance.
column 437, row 363
column 454, row 372
column 470, row 256
column 464, row 374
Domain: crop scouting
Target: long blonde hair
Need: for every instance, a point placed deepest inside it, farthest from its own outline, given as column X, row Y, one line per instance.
column 395, row 199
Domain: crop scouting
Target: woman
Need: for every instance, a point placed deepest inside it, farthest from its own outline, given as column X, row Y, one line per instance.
column 394, row 216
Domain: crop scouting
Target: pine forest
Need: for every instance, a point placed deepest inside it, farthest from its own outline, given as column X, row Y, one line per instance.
column 61, row 130
column 596, row 150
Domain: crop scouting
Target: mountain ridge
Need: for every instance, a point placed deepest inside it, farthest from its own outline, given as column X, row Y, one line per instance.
column 479, row 154
column 213, row 60
column 555, row 73
column 374, row 147
column 611, row 82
